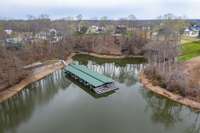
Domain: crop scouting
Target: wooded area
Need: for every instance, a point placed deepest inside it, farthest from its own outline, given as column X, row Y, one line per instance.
column 12, row 60
column 164, row 69
column 113, row 37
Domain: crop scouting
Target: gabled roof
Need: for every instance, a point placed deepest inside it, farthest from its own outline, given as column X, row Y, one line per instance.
column 93, row 78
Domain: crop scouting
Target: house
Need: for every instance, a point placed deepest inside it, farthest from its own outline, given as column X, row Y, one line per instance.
column 95, row 29
column 52, row 32
column 193, row 31
column 52, row 35
column 8, row 31
column 15, row 42
column 41, row 35
column 196, row 27
column 120, row 29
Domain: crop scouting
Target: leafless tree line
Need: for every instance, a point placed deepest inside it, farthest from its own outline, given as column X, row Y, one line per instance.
column 163, row 66
column 162, row 54
column 13, row 60
column 165, row 70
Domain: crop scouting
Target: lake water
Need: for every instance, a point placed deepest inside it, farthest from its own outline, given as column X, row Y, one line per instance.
column 57, row 105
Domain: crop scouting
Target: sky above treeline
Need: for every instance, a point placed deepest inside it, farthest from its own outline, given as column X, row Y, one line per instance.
column 90, row 9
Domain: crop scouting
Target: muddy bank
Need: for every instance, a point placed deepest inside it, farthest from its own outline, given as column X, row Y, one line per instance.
column 37, row 75
column 46, row 70
column 163, row 92
column 110, row 56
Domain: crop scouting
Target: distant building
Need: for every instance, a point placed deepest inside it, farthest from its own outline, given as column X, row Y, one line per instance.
column 8, row 31
column 52, row 32
column 52, row 35
column 13, row 42
column 193, row 31
column 95, row 29
column 196, row 27
column 120, row 29
column 41, row 35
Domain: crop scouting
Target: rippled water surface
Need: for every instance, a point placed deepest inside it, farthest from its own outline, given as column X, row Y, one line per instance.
column 58, row 105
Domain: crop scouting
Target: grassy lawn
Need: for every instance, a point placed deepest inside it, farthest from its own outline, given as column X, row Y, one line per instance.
column 189, row 50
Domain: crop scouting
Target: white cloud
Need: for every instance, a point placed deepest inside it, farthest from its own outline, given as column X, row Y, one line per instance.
column 78, row 3
column 111, row 8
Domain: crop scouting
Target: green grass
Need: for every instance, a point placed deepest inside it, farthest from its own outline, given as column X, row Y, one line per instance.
column 190, row 50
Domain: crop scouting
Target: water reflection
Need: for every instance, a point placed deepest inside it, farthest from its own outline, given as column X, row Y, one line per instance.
column 195, row 126
column 83, row 59
column 19, row 108
column 163, row 110
column 65, row 106
column 126, row 74
column 90, row 92
column 170, row 113
column 116, row 69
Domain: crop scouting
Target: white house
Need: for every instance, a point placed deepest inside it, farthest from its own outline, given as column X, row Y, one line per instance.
column 55, row 36
column 52, row 35
column 14, row 40
column 41, row 35
column 95, row 29
column 52, row 32
column 8, row 31
column 191, row 32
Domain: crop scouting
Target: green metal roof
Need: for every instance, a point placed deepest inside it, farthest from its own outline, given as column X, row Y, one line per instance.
column 84, row 76
column 93, row 78
column 93, row 74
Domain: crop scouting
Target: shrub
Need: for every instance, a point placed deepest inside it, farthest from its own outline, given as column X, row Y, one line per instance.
column 177, row 81
column 174, row 80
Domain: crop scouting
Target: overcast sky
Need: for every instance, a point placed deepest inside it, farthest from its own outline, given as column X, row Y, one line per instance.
column 142, row 9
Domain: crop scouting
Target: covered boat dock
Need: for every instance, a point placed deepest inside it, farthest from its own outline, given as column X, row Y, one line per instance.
column 93, row 80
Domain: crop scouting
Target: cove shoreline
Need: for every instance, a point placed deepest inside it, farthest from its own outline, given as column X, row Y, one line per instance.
column 33, row 77
column 109, row 56
column 167, row 94
column 49, row 69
